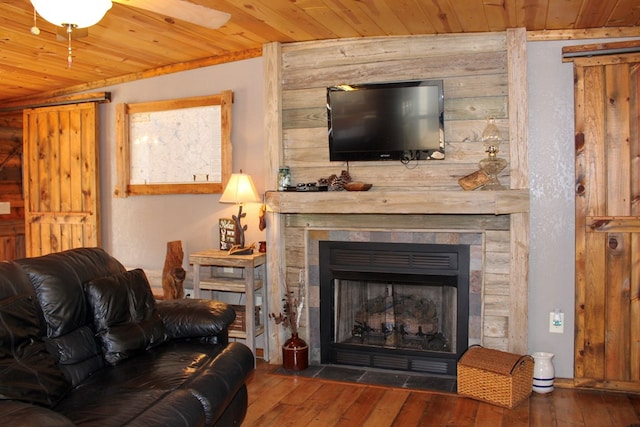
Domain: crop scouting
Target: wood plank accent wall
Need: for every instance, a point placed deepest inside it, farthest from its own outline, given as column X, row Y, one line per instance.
column 484, row 75
column 11, row 224
column 474, row 71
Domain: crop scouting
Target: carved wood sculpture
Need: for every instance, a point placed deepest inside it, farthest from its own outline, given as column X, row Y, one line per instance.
column 173, row 274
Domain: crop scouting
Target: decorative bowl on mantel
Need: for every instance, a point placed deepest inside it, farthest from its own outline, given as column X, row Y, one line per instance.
column 357, row 186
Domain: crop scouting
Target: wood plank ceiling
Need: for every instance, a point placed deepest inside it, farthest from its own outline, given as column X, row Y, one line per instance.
column 131, row 43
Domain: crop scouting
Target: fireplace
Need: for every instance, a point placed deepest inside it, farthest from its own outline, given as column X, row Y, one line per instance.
column 400, row 306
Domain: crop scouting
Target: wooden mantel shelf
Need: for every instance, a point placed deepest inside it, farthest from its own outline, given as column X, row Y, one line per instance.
column 399, row 202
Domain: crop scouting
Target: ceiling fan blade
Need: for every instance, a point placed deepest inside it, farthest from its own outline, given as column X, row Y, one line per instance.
column 183, row 10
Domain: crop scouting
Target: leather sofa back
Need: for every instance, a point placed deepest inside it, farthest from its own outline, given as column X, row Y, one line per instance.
column 13, row 281
column 58, row 281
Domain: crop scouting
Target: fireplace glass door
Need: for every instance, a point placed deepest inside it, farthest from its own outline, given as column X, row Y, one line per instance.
column 395, row 315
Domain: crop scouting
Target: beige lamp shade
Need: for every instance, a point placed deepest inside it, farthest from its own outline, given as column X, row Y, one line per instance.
column 240, row 189
column 77, row 13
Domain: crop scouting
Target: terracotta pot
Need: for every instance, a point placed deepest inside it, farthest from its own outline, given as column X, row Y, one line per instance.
column 295, row 354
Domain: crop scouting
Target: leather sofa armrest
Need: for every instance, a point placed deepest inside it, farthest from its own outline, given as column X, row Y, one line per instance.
column 196, row 318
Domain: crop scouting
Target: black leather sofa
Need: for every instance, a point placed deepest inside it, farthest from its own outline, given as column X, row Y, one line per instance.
column 83, row 342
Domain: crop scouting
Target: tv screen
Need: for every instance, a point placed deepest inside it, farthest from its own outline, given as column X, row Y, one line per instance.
column 386, row 121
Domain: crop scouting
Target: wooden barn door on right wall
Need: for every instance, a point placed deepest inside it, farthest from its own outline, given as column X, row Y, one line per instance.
column 607, row 121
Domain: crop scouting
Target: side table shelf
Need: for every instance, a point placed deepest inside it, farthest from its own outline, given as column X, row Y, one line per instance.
column 210, row 273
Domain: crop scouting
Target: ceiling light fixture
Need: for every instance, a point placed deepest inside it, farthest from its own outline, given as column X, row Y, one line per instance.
column 78, row 13
column 72, row 14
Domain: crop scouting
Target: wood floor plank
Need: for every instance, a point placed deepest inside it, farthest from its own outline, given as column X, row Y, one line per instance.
column 413, row 410
column 303, row 405
column 620, row 410
column 302, row 394
column 439, row 410
column 268, row 400
column 361, row 408
column 594, row 410
column 518, row 416
column 542, row 412
column 293, row 415
column 341, row 397
column 260, row 383
column 387, row 410
column 635, row 402
column 489, row 416
column 464, row 413
column 568, row 411
column 278, row 401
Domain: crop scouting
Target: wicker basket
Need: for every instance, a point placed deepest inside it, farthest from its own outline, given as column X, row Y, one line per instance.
column 493, row 376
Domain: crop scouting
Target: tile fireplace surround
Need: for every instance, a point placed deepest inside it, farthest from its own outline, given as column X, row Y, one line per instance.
column 497, row 270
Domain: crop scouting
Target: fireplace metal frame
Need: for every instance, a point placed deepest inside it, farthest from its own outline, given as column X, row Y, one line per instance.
column 412, row 263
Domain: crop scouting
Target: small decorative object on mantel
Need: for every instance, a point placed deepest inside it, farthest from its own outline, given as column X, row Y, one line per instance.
column 357, row 186
column 492, row 165
column 474, row 180
column 295, row 351
column 335, row 182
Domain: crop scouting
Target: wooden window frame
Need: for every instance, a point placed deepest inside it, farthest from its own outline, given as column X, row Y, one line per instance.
column 125, row 188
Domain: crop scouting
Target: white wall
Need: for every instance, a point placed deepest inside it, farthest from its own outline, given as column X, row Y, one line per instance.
column 136, row 229
column 551, row 178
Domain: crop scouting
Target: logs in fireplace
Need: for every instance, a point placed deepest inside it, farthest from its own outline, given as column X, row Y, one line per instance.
column 394, row 306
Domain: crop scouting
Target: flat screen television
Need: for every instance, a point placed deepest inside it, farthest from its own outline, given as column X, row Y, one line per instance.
column 386, row 121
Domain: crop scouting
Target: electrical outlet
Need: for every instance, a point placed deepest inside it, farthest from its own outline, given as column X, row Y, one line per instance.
column 5, row 208
column 556, row 322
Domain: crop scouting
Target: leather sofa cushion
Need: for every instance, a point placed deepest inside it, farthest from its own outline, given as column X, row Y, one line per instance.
column 58, row 281
column 212, row 374
column 142, row 407
column 28, row 372
column 124, row 314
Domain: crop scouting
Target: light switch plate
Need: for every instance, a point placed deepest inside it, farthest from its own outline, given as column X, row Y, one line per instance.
column 5, row 208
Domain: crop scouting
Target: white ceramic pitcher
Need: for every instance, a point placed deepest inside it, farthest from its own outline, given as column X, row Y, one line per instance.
column 543, row 372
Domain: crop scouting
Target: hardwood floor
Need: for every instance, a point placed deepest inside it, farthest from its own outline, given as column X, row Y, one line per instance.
column 278, row 400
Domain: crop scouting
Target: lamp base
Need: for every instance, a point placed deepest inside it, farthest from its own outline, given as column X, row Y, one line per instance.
column 492, row 166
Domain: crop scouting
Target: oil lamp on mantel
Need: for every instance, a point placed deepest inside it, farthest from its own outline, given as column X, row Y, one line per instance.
column 492, row 165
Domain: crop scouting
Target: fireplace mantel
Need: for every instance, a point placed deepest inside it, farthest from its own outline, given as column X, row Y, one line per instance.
column 400, row 202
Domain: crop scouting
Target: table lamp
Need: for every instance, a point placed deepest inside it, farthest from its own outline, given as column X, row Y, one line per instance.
column 239, row 190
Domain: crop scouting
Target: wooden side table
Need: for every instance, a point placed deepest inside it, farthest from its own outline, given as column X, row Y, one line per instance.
column 252, row 279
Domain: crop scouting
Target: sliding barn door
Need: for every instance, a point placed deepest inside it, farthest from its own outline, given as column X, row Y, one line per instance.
column 607, row 222
column 61, row 178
